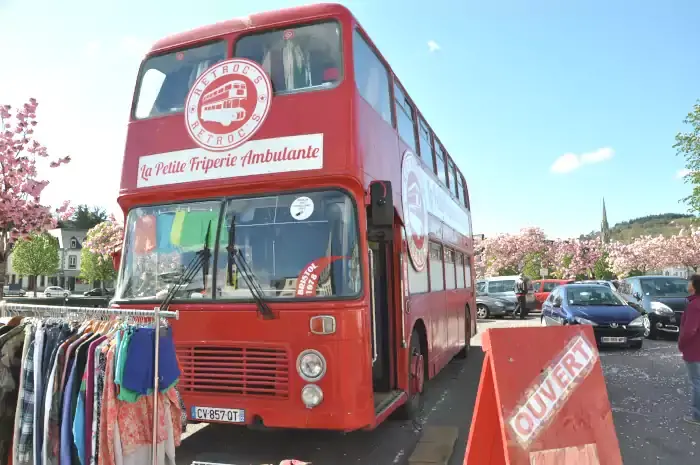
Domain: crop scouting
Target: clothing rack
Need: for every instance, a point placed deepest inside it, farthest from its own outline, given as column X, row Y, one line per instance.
column 10, row 308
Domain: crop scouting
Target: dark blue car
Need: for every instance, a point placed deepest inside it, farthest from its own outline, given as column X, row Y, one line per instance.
column 614, row 321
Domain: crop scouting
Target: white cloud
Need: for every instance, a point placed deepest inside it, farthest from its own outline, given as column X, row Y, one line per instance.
column 433, row 46
column 571, row 161
column 683, row 173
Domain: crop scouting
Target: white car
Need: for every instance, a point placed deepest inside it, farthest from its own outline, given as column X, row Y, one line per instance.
column 55, row 291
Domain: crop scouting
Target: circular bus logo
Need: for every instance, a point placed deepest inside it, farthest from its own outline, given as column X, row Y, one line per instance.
column 415, row 210
column 227, row 104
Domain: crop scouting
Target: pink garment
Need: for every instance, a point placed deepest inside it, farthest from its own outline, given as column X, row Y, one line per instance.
column 145, row 234
column 130, row 423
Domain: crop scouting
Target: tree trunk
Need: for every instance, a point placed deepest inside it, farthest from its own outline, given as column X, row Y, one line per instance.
column 34, row 280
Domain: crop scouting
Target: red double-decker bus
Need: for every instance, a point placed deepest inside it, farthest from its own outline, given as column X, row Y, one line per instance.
column 341, row 272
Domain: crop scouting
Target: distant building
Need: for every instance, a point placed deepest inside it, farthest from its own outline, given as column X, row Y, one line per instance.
column 679, row 272
column 70, row 244
column 604, row 227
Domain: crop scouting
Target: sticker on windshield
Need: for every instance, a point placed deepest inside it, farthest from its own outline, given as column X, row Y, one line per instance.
column 311, row 277
column 302, row 208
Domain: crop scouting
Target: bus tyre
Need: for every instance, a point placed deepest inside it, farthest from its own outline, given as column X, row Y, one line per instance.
column 416, row 381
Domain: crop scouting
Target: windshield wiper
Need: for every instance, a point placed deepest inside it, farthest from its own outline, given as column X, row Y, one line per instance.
column 236, row 257
column 201, row 259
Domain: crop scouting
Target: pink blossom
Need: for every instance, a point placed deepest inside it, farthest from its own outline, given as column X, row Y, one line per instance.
column 508, row 250
column 21, row 211
column 105, row 238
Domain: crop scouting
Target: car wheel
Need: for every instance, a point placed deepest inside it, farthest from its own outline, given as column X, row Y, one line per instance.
column 647, row 327
column 637, row 344
column 482, row 311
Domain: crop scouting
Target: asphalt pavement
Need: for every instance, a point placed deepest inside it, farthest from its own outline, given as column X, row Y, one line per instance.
column 648, row 390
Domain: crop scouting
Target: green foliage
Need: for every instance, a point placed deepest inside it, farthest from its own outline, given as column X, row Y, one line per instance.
column 533, row 264
column 94, row 267
column 665, row 224
column 601, row 269
column 688, row 145
column 85, row 217
column 36, row 255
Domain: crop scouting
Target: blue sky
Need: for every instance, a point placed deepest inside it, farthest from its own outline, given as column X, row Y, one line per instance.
column 510, row 86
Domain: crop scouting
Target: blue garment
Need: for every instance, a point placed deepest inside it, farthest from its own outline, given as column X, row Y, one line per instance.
column 79, row 427
column 164, row 225
column 138, row 366
column 67, row 413
column 694, row 375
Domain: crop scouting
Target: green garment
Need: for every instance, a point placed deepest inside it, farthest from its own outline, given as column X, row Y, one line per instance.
column 176, row 231
column 194, row 228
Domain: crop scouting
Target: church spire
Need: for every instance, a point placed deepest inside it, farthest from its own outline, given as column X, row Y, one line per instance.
column 604, row 227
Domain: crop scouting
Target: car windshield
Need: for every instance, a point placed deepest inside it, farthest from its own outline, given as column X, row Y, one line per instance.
column 665, row 287
column 593, row 296
column 296, row 246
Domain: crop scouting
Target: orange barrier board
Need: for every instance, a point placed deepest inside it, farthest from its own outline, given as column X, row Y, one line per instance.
column 542, row 400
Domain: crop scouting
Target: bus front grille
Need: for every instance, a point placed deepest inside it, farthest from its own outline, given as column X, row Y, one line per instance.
column 241, row 370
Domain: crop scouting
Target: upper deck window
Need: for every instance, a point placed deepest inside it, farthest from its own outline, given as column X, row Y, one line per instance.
column 440, row 164
column 371, row 77
column 296, row 58
column 426, row 146
column 405, row 117
column 453, row 178
column 166, row 79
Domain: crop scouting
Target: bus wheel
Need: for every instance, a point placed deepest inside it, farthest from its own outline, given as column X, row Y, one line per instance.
column 462, row 354
column 416, row 381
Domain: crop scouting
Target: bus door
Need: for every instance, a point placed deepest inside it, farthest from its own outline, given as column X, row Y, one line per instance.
column 380, row 314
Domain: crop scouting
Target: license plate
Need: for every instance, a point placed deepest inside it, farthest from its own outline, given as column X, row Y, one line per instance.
column 615, row 340
column 225, row 415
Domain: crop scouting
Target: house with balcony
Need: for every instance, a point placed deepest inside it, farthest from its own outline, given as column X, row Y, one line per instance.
column 70, row 244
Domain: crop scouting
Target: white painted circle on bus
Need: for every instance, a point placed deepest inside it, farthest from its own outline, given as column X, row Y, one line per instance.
column 227, row 104
column 415, row 210
column 302, row 208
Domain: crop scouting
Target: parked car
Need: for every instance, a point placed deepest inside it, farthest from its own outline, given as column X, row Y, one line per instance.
column 487, row 306
column 599, row 281
column 56, row 291
column 614, row 321
column 13, row 290
column 662, row 297
column 98, row 291
column 542, row 288
column 504, row 287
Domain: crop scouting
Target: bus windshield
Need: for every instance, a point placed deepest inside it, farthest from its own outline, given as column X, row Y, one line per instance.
column 302, row 245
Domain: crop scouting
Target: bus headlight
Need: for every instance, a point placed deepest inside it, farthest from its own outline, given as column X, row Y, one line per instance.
column 311, row 395
column 311, row 365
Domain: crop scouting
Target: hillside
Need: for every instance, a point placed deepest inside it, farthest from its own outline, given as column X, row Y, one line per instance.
column 666, row 224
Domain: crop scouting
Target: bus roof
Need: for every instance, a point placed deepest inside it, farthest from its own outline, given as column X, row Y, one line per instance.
column 257, row 20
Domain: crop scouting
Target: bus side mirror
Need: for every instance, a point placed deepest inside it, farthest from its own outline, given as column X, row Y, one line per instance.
column 116, row 259
column 382, row 204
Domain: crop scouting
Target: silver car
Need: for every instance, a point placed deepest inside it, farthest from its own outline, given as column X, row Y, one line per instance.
column 504, row 287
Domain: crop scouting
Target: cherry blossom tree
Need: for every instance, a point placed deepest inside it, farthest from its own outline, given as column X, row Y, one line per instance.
column 105, row 239
column 509, row 251
column 643, row 254
column 682, row 249
column 21, row 210
column 576, row 257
